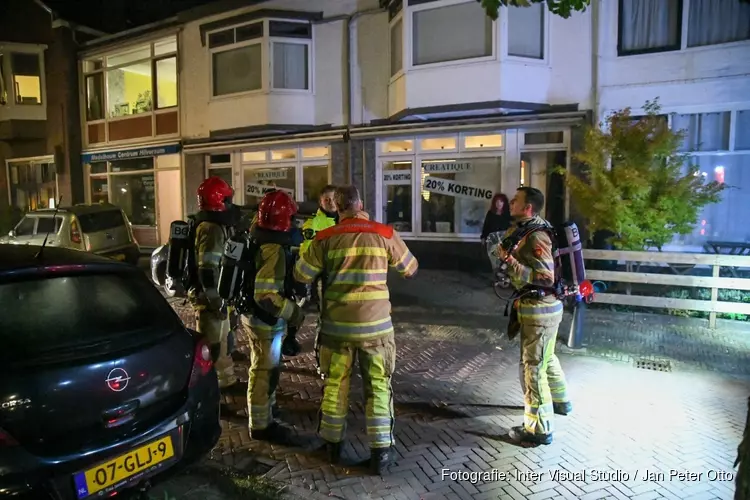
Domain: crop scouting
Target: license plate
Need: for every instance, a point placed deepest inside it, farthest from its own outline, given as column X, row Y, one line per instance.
column 115, row 473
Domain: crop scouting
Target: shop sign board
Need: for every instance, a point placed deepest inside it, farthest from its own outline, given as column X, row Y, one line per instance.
column 265, row 175
column 454, row 188
column 255, row 189
column 447, row 167
column 397, row 177
column 127, row 154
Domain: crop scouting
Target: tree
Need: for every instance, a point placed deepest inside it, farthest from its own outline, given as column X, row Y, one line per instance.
column 635, row 184
column 562, row 8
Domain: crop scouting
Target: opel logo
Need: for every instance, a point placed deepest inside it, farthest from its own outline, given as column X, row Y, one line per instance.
column 118, row 379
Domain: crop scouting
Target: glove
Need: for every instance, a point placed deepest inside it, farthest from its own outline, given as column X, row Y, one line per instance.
column 215, row 351
column 290, row 347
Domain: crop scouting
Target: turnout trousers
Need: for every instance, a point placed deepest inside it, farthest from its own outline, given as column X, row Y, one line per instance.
column 265, row 369
column 377, row 361
column 214, row 327
column 542, row 378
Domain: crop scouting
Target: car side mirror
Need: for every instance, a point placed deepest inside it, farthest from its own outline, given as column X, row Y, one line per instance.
column 12, row 233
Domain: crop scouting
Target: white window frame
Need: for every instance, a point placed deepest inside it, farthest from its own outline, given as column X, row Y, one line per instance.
column 416, row 157
column 152, row 59
column 399, row 17
column 504, row 20
column 7, row 49
column 408, row 60
column 266, row 41
column 684, row 24
column 551, row 147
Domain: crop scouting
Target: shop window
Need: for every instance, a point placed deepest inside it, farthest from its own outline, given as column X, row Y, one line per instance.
column 315, row 152
column 314, row 178
column 95, row 97
column 397, row 195
column 253, row 156
column 129, row 90
column 711, row 22
column 704, row 131
column 166, row 46
column 397, row 47
column 538, row 138
column 99, row 190
column 483, row 141
column 398, row 146
column 648, row 26
column 451, row 33
column 742, row 131
column 526, row 31
column 27, row 77
column 283, row 154
column 220, row 159
column 258, row 181
column 224, row 173
column 291, row 66
column 128, row 56
column 98, row 167
column 134, row 193
column 166, row 82
column 437, row 143
column 133, row 165
column 237, row 70
column 456, row 194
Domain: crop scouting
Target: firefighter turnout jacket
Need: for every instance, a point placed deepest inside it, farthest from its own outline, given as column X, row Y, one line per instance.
column 210, row 238
column 353, row 257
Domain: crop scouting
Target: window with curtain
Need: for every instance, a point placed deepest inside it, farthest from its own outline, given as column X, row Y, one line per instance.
column 742, row 131
column 703, row 131
column 237, row 70
column 290, row 66
column 526, row 31
column 649, row 26
column 711, row 22
column 451, row 33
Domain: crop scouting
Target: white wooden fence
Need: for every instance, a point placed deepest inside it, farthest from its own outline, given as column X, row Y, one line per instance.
column 678, row 263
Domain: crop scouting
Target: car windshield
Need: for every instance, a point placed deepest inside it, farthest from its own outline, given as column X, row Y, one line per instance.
column 100, row 221
column 26, row 226
column 62, row 312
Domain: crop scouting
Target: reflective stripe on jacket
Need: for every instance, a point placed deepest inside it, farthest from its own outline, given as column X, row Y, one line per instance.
column 312, row 226
column 355, row 255
column 210, row 238
column 270, row 262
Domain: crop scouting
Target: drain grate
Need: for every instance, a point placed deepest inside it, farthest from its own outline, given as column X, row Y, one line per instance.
column 658, row 365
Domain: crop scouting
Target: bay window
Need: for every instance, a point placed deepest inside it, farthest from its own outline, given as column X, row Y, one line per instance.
column 526, row 31
column 711, row 22
column 237, row 56
column 26, row 70
column 450, row 33
column 133, row 93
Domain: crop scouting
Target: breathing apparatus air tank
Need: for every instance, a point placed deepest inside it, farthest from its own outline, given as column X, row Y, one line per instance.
column 234, row 263
column 570, row 253
column 179, row 247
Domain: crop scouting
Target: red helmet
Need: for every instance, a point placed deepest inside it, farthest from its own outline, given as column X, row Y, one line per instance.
column 276, row 210
column 214, row 194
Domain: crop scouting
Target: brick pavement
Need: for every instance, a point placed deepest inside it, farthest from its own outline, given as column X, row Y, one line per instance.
column 457, row 394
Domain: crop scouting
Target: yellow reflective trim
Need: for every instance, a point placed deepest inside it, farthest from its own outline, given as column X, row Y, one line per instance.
column 357, row 251
column 362, row 271
column 363, row 323
column 269, row 280
column 357, row 296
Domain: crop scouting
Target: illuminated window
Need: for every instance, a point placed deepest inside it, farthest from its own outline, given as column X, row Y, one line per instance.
column 27, row 77
column 251, row 156
column 483, row 141
column 437, row 143
column 397, row 146
column 315, row 152
column 283, row 154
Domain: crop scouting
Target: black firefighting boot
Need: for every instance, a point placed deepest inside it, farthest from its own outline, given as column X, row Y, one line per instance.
column 563, row 408
column 274, row 433
column 333, row 450
column 521, row 436
column 380, row 459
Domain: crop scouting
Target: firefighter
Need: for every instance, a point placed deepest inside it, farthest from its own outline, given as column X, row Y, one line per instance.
column 531, row 269
column 325, row 217
column 214, row 220
column 354, row 256
column 272, row 233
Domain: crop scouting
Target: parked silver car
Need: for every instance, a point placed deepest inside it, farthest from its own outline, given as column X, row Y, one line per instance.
column 102, row 229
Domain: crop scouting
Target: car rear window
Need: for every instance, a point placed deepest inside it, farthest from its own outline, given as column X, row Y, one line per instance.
column 100, row 221
column 60, row 312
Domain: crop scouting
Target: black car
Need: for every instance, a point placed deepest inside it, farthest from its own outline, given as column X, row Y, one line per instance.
column 101, row 385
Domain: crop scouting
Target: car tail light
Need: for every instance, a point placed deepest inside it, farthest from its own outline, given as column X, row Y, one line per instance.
column 75, row 234
column 6, row 440
column 201, row 362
